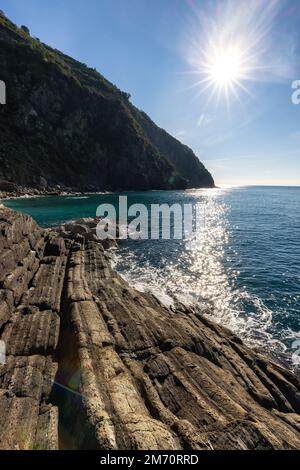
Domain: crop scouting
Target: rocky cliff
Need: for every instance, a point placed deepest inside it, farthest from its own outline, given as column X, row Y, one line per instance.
column 65, row 125
column 93, row 364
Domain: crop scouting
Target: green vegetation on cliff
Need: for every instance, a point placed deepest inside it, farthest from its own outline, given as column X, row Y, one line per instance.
column 65, row 124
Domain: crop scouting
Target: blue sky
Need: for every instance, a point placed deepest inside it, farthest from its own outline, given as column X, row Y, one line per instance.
column 160, row 51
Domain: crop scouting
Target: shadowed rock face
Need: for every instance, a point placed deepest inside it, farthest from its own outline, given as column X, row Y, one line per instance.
column 94, row 364
column 65, row 124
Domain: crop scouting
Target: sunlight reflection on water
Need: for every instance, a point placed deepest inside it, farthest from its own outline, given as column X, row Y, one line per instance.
column 198, row 271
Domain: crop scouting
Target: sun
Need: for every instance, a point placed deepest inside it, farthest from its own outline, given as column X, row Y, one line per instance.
column 227, row 49
column 226, row 67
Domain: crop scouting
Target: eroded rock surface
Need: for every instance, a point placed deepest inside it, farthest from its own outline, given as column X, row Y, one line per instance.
column 94, row 364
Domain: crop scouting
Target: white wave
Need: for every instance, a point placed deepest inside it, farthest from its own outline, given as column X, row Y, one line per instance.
column 78, row 197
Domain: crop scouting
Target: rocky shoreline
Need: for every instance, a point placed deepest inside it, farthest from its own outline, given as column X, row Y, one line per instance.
column 93, row 364
column 22, row 191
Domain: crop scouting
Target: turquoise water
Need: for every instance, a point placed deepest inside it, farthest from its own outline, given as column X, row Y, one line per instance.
column 245, row 268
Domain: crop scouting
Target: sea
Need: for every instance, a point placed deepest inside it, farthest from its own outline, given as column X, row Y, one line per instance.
column 243, row 270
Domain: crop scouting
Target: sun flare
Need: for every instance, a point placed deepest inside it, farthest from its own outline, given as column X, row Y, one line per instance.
column 225, row 67
column 228, row 49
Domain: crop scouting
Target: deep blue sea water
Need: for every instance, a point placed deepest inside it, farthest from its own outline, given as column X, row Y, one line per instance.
column 245, row 267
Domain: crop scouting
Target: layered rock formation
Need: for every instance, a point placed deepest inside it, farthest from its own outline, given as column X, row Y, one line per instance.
column 65, row 125
column 94, row 364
